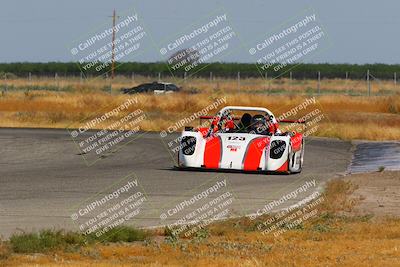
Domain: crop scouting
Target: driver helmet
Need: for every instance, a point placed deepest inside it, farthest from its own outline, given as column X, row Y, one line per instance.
column 259, row 123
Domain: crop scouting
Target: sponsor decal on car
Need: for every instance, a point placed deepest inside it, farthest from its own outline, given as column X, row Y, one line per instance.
column 233, row 148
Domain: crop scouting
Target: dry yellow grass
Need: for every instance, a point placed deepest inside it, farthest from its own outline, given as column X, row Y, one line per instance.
column 355, row 244
column 371, row 118
column 330, row 239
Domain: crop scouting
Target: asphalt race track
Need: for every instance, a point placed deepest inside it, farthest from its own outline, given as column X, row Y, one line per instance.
column 43, row 178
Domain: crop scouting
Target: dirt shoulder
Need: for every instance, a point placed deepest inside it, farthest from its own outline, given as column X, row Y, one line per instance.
column 376, row 193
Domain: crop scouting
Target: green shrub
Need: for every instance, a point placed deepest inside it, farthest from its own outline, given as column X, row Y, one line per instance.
column 47, row 240
column 123, row 234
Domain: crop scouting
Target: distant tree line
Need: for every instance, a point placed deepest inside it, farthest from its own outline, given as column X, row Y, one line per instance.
column 301, row 71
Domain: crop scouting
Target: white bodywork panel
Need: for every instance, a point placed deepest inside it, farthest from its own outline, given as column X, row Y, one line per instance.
column 234, row 148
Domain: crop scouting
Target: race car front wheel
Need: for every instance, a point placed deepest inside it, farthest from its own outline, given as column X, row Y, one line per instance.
column 299, row 155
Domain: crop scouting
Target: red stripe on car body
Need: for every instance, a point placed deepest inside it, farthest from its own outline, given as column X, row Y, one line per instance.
column 253, row 154
column 212, row 153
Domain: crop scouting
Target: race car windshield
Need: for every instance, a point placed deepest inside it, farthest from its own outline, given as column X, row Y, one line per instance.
column 242, row 121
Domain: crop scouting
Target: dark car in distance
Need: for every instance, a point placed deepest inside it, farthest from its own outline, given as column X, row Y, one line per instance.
column 154, row 87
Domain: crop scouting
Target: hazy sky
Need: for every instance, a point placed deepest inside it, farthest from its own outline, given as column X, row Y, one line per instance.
column 362, row 31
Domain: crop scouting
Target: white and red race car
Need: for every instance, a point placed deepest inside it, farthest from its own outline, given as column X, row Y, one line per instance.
column 242, row 138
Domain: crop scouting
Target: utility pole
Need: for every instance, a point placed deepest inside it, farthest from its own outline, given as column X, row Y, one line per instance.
column 368, row 84
column 319, row 83
column 113, row 46
column 238, row 80
column 5, row 82
column 56, row 80
column 30, row 81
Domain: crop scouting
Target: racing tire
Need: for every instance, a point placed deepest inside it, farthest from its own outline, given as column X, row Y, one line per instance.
column 301, row 159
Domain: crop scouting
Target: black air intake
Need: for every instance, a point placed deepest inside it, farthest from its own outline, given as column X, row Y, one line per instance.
column 188, row 145
column 277, row 149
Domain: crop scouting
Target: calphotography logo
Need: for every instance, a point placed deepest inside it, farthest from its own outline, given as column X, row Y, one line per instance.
column 97, row 52
column 281, row 202
column 199, row 133
column 292, row 217
column 293, row 43
column 193, row 212
column 175, row 143
column 122, row 203
column 103, row 134
column 200, row 44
